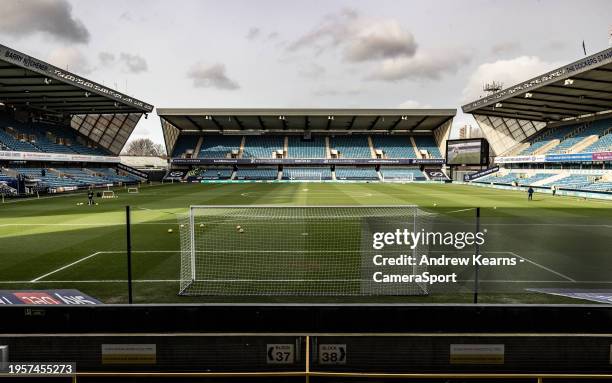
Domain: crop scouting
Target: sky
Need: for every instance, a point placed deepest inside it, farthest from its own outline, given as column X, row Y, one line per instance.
column 309, row 53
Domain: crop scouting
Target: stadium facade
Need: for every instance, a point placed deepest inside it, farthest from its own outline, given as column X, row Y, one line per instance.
column 59, row 131
column 306, row 144
column 553, row 131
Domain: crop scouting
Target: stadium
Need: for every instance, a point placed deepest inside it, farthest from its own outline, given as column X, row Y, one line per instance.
column 307, row 244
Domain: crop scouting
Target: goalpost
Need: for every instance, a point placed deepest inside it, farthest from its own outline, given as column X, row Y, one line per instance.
column 397, row 177
column 132, row 190
column 305, row 175
column 294, row 250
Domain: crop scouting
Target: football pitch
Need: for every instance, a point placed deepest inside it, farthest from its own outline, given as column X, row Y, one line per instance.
column 55, row 243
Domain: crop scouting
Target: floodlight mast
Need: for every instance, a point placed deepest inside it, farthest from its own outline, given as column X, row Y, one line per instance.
column 492, row 87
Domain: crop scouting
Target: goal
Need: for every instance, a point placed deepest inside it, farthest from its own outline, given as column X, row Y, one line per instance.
column 303, row 174
column 108, row 194
column 132, row 190
column 396, row 176
column 294, row 250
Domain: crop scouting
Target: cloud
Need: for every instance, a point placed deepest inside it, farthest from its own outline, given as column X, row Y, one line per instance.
column 413, row 104
column 126, row 16
column 381, row 40
column 332, row 92
column 133, row 63
column 421, row 66
column 312, row 71
column 505, row 47
column 253, row 33
column 211, row 76
column 555, row 45
column 509, row 72
column 360, row 38
column 71, row 59
column 273, row 35
column 106, row 58
column 51, row 17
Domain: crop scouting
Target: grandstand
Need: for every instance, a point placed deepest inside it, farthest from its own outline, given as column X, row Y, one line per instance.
column 554, row 130
column 351, row 173
column 299, row 147
column 315, row 144
column 397, row 146
column 261, row 173
column 263, row 146
column 215, row 146
column 59, row 131
column 210, row 173
column 350, row 147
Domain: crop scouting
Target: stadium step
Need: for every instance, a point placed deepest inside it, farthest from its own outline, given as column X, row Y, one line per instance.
column 242, row 144
column 552, row 178
column 198, row 146
column 285, row 146
column 371, row 146
column 515, row 150
column 583, row 144
column 417, row 152
column 547, row 147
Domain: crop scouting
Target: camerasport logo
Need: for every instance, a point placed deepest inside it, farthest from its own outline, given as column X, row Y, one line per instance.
column 46, row 298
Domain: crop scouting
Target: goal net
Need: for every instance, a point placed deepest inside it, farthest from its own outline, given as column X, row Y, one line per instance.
column 396, row 176
column 132, row 190
column 295, row 250
column 303, row 174
column 108, row 194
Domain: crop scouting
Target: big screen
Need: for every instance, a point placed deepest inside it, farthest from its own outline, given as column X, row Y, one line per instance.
column 465, row 152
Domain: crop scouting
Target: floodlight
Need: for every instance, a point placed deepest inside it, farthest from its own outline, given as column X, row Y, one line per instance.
column 498, row 105
column 568, row 81
column 528, row 95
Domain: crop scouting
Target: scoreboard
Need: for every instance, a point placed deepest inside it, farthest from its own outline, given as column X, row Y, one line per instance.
column 467, row 152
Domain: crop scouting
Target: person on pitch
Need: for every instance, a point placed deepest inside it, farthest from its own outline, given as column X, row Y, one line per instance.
column 530, row 194
column 90, row 195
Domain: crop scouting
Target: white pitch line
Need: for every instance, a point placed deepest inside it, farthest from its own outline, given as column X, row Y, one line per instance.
column 87, row 224
column 460, row 210
column 65, row 266
column 543, row 267
column 308, row 280
column 98, row 281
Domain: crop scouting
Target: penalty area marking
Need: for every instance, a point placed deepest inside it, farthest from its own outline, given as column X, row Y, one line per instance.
column 310, row 194
column 66, row 266
column 37, row 279
column 460, row 210
column 543, row 267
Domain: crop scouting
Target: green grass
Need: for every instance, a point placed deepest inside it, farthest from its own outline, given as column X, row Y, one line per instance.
column 564, row 241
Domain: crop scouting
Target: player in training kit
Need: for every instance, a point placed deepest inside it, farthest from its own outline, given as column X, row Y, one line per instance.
column 90, row 195
column 530, row 193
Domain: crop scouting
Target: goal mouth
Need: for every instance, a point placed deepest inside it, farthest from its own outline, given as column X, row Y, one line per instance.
column 397, row 178
column 307, row 251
